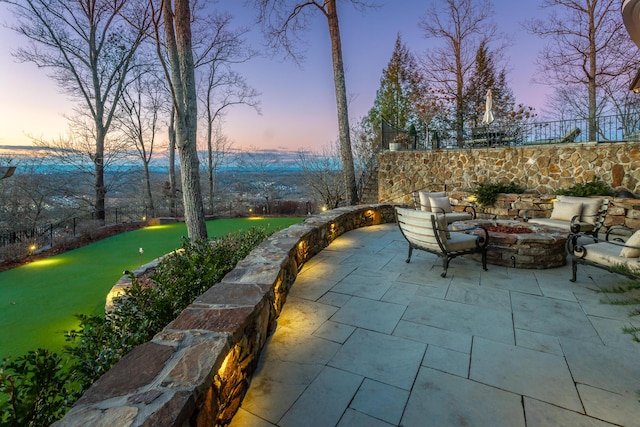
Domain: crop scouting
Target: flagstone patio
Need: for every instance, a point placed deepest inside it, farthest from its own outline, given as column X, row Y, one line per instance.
column 368, row 340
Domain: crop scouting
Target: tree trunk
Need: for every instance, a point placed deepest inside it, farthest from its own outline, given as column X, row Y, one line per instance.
column 341, row 101
column 173, row 187
column 184, row 87
column 591, row 79
column 147, row 181
column 99, row 187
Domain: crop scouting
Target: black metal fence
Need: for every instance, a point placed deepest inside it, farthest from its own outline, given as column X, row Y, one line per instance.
column 47, row 235
column 612, row 128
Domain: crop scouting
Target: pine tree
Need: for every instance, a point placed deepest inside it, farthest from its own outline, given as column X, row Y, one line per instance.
column 400, row 85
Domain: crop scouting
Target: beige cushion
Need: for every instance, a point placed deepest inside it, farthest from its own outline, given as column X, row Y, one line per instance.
column 566, row 210
column 458, row 216
column 461, row 241
column 440, row 204
column 425, row 205
column 565, row 225
column 443, row 231
column 590, row 207
column 634, row 240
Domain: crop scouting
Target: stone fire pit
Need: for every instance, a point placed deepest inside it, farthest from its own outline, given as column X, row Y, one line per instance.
column 520, row 244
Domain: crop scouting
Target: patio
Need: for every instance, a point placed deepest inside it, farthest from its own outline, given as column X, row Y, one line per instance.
column 368, row 340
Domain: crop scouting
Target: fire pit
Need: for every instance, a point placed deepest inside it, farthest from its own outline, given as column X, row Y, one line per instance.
column 520, row 244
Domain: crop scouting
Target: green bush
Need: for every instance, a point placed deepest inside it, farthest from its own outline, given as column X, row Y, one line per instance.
column 487, row 193
column 39, row 388
column 35, row 389
column 596, row 187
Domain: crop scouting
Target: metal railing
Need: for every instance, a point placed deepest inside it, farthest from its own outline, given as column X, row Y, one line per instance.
column 613, row 128
column 46, row 235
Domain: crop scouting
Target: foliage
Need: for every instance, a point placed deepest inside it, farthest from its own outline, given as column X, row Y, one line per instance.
column 37, row 388
column 41, row 386
column 402, row 85
column 487, row 193
column 596, row 187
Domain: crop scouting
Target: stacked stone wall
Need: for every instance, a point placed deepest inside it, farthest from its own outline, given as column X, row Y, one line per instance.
column 542, row 170
column 195, row 372
column 539, row 169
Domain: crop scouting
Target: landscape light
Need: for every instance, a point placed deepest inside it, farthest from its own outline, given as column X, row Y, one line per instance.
column 33, row 247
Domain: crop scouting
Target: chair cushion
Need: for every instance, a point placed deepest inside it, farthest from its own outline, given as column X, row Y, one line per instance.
column 607, row 254
column 566, row 210
column 461, row 241
column 425, row 205
column 590, row 207
column 440, row 204
column 634, row 240
column 443, row 230
column 458, row 216
column 565, row 225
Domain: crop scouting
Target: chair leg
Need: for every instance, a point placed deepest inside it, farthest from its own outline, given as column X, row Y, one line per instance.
column 410, row 252
column 574, row 270
column 445, row 265
column 484, row 260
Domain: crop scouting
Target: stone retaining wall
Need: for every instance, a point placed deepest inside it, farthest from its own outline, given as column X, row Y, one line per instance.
column 195, row 372
column 540, row 169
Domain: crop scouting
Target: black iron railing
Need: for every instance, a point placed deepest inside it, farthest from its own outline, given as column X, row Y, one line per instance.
column 613, row 128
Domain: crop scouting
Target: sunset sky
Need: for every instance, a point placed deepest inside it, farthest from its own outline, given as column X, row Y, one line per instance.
column 298, row 103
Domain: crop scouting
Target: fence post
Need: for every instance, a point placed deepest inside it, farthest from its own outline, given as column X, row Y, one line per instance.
column 74, row 226
column 51, row 234
column 116, row 216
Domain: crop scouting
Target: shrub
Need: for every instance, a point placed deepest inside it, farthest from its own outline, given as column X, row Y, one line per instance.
column 596, row 187
column 14, row 251
column 487, row 193
column 89, row 229
column 37, row 389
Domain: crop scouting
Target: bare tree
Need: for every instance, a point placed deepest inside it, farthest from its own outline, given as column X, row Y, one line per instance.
column 89, row 47
column 282, row 20
column 257, row 168
column 140, row 106
column 174, row 43
column 220, row 86
column 463, row 26
column 321, row 173
column 588, row 47
column 75, row 154
column 218, row 151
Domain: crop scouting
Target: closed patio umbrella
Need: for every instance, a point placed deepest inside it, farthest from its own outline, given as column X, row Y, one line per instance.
column 488, row 115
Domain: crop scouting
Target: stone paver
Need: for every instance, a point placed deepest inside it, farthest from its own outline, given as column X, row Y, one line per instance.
column 366, row 339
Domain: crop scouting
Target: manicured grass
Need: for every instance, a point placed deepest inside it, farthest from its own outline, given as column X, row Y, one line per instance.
column 38, row 300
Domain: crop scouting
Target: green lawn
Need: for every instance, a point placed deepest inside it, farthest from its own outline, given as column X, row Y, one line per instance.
column 38, row 300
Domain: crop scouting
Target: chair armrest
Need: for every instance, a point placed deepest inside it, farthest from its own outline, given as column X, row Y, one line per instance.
column 574, row 225
column 581, row 250
column 626, row 230
column 471, row 209
column 572, row 241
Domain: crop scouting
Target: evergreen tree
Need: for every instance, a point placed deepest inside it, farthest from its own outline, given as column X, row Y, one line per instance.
column 487, row 74
column 400, row 85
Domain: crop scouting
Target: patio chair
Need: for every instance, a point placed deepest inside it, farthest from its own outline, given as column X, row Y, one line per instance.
column 439, row 202
column 428, row 231
column 575, row 214
column 614, row 255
